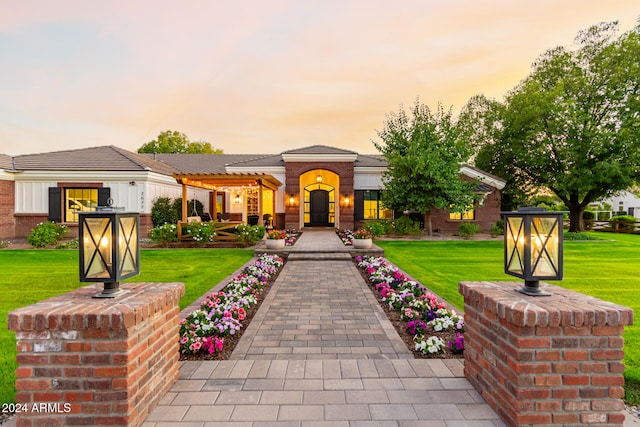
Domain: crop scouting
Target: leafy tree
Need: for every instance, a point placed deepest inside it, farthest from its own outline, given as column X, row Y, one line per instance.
column 573, row 125
column 424, row 157
column 177, row 143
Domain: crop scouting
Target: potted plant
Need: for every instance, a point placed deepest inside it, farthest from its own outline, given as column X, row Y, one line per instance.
column 362, row 239
column 275, row 239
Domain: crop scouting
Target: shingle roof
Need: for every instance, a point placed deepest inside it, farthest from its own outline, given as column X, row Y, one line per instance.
column 319, row 149
column 105, row 158
column 371, row 160
column 6, row 162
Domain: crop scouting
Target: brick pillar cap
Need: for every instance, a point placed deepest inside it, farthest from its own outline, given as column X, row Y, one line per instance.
column 563, row 308
column 77, row 310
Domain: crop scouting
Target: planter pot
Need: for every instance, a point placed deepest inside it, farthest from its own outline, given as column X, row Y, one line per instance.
column 362, row 243
column 275, row 243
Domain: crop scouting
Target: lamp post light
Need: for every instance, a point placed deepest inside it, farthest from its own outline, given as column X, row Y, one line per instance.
column 109, row 248
column 533, row 247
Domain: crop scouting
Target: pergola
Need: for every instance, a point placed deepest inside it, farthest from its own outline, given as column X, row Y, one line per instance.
column 216, row 181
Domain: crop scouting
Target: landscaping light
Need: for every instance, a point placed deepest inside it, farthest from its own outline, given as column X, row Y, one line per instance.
column 109, row 248
column 533, row 247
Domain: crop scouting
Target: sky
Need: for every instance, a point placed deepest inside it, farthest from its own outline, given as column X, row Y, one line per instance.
column 262, row 76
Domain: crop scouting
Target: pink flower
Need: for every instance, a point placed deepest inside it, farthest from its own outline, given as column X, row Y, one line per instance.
column 184, row 340
column 195, row 346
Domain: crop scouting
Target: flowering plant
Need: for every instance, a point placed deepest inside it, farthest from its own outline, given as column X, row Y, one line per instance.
column 431, row 345
column 276, row 235
column 362, row 234
column 346, row 236
column 422, row 310
column 222, row 313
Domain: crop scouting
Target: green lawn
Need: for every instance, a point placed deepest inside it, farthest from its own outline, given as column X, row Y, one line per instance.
column 608, row 269
column 30, row 276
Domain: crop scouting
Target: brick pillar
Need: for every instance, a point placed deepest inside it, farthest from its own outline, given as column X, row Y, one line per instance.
column 86, row 361
column 545, row 360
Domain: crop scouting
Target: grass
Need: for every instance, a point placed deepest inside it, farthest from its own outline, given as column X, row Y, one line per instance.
column 30, row 276
column 608, row 269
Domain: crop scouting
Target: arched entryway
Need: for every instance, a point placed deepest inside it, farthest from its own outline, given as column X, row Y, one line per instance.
column 318, row 188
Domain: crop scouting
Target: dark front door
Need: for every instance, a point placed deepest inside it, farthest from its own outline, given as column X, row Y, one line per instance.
column 319, row 208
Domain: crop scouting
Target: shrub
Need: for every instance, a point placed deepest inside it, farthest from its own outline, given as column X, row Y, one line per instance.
column 569, row 235
column 71, row 244
column 378, row 228
column 46, row 234
column 163, row 212
column 249, row 235
column 497, row 229
column 164, row 234
column 624, row 222
column 202, row 232
column 405, row 225
column 468, row 229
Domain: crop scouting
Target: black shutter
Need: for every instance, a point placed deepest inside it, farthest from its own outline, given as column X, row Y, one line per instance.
column 104, row 194
column 358, row 205
column 55, row 204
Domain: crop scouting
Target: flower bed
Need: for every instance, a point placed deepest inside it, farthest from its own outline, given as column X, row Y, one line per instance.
column 212, row 331
column 424, row 323
column 346, row 236
column 291, row 236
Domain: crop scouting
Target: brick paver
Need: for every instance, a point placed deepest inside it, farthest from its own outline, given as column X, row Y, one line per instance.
column 320, row 352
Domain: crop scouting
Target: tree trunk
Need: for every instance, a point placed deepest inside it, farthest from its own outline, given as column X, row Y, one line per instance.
column 427, row 223
column 576, row 224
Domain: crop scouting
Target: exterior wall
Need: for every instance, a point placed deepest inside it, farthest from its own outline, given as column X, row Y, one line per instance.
column 627, row 201
column 7, row 203
column 485, row 215
column 554, row 360
column 293, row 170
column 97, row 362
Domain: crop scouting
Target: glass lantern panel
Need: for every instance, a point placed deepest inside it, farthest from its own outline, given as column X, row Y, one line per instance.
column 97, row 248
column 544, row 250
column 515, row 244
column 128, row 245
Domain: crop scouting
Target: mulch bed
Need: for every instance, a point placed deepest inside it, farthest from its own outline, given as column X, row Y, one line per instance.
column 407, row 338
column 231, row 341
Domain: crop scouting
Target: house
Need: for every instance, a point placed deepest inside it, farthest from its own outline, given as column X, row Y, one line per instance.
column 316, row 186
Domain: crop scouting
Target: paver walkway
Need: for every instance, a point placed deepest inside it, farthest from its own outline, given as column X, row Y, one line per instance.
column 320, row 352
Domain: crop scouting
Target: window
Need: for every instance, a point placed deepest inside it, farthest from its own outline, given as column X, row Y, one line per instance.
column 65, row 202
column 369, row 206
column 79, row 200
column 468, row 215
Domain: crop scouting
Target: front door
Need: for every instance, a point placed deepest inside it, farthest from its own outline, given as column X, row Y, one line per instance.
column 319, row 208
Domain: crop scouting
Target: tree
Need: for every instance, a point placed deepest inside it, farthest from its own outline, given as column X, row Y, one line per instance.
column 424, row 157
column 177, row 143
column 573, row 125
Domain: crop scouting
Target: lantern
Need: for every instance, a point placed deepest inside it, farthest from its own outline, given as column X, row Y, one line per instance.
column 533, row 247
column 109, row 248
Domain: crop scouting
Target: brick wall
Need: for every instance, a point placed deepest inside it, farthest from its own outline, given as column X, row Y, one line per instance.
column 88, row 361
column 545, row 360
column 293, row 170
column 7, row 209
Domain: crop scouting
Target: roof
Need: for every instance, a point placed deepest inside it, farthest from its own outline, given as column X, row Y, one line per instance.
column 319, row 149
column 105, row 158
column 6, row 162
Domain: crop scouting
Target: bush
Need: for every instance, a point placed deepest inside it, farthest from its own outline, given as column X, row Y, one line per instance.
column 468, row 229
column 497, row 229
column 624, row 222
column 249, row 235
column 163, row 212
column 570, row 236
column 164, row 234
column 46, row 234
column 378, row 228
column 71, row 244
column 406, row 226
column 202, row 232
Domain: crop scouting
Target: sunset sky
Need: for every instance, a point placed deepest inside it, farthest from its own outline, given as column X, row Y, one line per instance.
column 262, row 76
